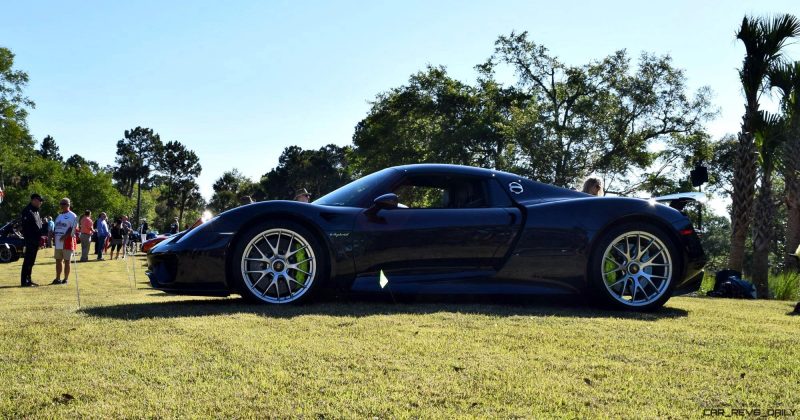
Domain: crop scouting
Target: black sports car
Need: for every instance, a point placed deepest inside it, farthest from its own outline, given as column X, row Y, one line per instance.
column 432, row 228
column 12, row 245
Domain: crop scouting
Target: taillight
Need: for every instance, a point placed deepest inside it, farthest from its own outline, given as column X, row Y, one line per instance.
column 197, row 223
column 686, row 232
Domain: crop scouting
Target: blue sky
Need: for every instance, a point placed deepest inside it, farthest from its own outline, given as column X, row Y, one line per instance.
column 239, row 81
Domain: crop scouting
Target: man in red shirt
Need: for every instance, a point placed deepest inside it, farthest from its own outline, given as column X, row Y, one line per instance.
column 86, row 229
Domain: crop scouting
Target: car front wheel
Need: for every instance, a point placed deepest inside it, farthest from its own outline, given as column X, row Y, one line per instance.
column 279, row 263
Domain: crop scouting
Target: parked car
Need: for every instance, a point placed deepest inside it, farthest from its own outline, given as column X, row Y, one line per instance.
column 151, row 242
column 439, row 229
column 12, row 244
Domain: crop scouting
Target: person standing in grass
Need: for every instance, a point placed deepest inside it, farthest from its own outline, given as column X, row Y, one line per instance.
column 102, row 235
column 126, row 233
column 65, row 224
column 174, row 227
column 86, row 228
column 51, row 226
column 116, row 238
column 31, row 230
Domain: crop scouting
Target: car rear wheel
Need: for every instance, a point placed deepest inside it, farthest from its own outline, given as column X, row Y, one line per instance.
column 634, row 267
column 279, row 263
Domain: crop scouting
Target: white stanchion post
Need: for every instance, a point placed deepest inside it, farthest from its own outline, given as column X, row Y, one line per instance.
column 128, row 272
column 136, row 285
column 75, row 269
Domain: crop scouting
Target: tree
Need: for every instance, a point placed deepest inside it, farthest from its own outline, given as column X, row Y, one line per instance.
column 763, row 40
column 190, row 201
column 13, row 103
column 786, row 79
column 436, row 118
column 600, row 117
column 557, row 124
column 670, row 165
column 77, row 161
column 27, row 169
column 49, row 149
column 227, row 190
column 136, row 157
column 319, row 171
column 179, row 167
column 768, row 140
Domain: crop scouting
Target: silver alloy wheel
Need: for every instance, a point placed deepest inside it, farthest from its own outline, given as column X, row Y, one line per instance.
column 637, row 268
column 278, row 266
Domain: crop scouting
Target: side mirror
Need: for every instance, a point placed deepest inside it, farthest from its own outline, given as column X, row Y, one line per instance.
column 384, row 202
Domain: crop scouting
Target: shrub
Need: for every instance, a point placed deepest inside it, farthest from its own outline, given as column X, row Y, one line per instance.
column 785, row 286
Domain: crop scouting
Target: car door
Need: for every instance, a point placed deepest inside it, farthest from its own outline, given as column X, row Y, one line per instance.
column 447, row 227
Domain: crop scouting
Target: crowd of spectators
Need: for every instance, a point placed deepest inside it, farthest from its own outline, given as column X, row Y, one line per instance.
column 65, row 232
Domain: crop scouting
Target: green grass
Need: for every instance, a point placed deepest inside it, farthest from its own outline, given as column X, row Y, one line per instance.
column 140, row 353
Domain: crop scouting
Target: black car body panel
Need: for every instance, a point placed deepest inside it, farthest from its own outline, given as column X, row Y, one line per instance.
column 522, row 237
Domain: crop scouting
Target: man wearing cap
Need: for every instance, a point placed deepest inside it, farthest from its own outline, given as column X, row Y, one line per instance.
column 302, row 195
column 173, row 228
column 31, row 231
column 66, row 224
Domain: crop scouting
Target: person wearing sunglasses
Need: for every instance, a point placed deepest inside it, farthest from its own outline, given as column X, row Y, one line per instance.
column 64, row 233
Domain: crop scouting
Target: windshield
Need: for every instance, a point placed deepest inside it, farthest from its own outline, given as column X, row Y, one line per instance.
column 351, row 194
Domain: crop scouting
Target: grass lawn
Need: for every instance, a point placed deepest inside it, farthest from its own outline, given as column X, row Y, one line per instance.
column 141, row 353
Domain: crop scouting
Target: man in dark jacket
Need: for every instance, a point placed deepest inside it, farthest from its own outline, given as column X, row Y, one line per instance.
column 31, row 231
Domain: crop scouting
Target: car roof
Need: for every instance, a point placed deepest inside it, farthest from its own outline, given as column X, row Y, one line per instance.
column 447, row 168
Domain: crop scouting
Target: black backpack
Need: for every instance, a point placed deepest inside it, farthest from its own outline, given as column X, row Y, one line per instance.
column 729, row 284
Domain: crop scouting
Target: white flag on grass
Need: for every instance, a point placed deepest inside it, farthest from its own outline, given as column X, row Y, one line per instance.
column 383, row 281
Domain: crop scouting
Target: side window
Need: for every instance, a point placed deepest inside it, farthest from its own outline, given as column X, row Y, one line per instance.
column 421, row 196
column 443, row 192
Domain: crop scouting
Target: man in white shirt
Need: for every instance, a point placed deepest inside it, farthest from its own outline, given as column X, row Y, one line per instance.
column 66, row 223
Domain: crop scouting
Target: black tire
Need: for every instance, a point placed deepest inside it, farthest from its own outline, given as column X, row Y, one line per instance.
column 288, row 276
column 634, row 280
column 7, row 254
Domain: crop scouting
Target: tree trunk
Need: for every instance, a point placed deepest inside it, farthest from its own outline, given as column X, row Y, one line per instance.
column 139, row 202
column 744, row 182
column 792, row 236
column 763, row 233
column 791, row 176
column 182, row 207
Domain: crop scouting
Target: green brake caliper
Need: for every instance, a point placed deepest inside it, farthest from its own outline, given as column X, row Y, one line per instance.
column 301, row 256
column 609, row 265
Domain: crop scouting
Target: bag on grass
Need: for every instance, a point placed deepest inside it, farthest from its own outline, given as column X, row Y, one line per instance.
column 729, row 284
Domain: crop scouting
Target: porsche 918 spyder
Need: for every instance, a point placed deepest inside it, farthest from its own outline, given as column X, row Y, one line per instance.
column 439, row 229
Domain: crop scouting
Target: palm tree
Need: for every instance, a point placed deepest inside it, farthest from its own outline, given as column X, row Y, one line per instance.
column 786, row 79
column 763, row 40
column 768, row 141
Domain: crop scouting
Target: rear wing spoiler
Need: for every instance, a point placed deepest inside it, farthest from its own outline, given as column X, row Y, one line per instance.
column 679, row 200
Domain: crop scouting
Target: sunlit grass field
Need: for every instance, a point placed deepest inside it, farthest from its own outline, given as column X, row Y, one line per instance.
column 130, row 351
